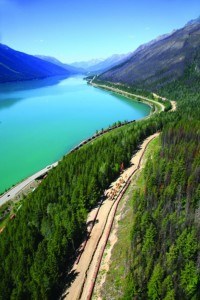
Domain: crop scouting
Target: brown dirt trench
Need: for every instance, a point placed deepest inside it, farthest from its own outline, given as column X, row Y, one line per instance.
column 87, row 266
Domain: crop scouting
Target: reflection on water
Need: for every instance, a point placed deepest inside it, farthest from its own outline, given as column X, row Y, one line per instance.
column 31, row 84
column 9, row 88
column 42, row 120
column 8, row 102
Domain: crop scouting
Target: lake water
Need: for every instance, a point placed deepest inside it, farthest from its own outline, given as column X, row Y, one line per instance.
column 42, row 120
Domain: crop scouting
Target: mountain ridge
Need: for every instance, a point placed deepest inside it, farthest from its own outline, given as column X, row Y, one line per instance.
column 86, row 64
column 57, row 62
column 19, row 66
column 102, row 65
column 163, row 59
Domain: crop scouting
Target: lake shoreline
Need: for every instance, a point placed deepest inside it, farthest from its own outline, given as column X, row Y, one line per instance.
column 129, row 96
column 7, row 190
column 16, row 189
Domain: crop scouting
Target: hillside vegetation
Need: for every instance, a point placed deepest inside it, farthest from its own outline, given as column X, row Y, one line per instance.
column 165, row 235
column 39, row 245
column 165, row 249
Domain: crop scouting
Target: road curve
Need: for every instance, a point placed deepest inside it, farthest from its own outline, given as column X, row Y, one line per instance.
column 126, row 94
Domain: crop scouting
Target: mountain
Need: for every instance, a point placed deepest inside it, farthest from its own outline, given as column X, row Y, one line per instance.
column 109, row 63
column 86, row 64
column 160, row 61
column 148, row 44
column 18, row 66
column 191, row 22
column 57, row 62
column 99, row 66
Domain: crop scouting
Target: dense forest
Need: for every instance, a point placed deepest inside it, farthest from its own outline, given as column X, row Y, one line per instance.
column 40, row 243
column 38, row 246
column 165, row 255
column 165, row 235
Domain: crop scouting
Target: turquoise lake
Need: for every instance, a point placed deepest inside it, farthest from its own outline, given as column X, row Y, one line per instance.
column 42, row 120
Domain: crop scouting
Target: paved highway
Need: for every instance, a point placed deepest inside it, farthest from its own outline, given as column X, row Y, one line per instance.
column 15, row 190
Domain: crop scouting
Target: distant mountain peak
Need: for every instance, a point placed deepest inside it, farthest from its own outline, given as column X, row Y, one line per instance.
column 194, row 21
column 87, row 64
column 57, row 62
column 101, row 65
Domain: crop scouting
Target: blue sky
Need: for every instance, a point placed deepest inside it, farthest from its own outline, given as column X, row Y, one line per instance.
column 75, row 30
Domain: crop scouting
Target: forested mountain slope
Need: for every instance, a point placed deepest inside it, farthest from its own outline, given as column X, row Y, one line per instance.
column 165, row 244
column 39, row 244
column 165, row 257
column 165, row 239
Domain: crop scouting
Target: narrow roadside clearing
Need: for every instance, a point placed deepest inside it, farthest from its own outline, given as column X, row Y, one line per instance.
column 114, row 265
column 126, row 94
column 86, row 268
